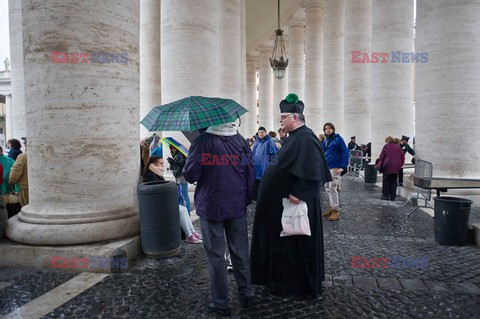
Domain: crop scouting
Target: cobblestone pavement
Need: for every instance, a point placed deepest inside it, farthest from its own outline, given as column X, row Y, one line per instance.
column 447, row 286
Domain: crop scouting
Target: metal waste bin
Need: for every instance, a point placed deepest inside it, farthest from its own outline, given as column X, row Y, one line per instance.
column 159, row 219
column 370, row 174
column 451, row 220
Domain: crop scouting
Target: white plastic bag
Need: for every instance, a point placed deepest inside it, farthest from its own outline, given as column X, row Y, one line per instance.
column 295, row 219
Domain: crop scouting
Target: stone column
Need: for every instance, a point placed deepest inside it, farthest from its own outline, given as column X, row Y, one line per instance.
column 280, row 91
column 314, row 64
column 8, row 118
column 249, row 120
column 333, row 65
column 230, row 50
column 391, row 83
column 265, row 88
column 82, row 123
column 448, row 97
column 358, row 36
column 243, row 54
column 150, row 72
column 296, row 57
column 190, row 52
column 18, row 117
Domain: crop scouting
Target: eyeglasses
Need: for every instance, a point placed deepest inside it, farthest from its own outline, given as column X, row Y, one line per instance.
column 282, row 117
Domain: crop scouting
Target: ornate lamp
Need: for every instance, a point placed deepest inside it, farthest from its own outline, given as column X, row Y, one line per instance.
column 279, row 59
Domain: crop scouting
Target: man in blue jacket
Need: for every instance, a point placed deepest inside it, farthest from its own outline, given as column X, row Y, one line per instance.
column 337, row 155
column 219, row 161
column 263, row 151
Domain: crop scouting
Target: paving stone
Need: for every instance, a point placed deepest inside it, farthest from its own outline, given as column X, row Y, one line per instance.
column 465, row 288
column 364, row 282
column 419, row 239
column 4, row 284
column 342, row 281
column 328, row 281
column 412, row 284
column 437, row 286
column 388, row 283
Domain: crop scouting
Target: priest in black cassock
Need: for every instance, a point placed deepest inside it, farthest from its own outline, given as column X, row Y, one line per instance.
column 291, row 265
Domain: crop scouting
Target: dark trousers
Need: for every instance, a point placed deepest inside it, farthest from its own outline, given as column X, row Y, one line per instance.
column 214, row 244
column 389, row 186
column 255, row 189
column 400, row 177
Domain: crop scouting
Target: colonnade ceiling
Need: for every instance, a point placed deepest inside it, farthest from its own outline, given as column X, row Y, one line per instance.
column 261, row 19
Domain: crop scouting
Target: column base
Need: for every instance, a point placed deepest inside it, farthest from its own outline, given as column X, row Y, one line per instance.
column 71, row 234
column 21, row 255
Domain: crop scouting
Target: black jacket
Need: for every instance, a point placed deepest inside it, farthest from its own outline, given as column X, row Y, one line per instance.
column 177, row 164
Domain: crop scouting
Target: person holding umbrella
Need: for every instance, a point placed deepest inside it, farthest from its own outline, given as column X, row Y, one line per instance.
column 221, row 198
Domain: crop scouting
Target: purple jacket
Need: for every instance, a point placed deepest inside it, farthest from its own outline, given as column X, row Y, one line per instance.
column 223, row 170
column 392, row 158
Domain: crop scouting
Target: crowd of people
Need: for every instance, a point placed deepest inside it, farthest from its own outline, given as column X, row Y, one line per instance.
column 292, row 164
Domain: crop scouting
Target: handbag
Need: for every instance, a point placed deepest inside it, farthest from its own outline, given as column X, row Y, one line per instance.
column 295, row 219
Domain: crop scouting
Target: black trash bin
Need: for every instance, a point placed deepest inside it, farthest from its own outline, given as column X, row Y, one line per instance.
column 451, row 220
column 370, row 174
column 159, row 219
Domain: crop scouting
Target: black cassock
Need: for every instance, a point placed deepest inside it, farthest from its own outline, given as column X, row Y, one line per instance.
column 291, row 265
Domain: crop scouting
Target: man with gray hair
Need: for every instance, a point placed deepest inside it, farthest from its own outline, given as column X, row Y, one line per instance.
column 291, row 265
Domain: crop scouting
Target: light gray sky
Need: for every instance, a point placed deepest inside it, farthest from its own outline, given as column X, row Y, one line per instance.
column 4, row 37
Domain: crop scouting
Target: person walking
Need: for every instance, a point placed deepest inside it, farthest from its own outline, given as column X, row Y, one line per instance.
column 221, row 198
column 391, row 160
column 337, row 155
column 291, row 265
column 263, row 150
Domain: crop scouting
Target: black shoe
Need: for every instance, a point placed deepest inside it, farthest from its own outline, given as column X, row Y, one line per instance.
column 392, row 199
column 400, row 184
column 384, row 198
column 223, row 312
column 246, row 301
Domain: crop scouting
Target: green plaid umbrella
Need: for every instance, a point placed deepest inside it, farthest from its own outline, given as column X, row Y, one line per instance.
column 192, row 113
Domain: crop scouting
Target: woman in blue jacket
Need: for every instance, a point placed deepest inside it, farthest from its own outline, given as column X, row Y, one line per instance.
column 337, row 155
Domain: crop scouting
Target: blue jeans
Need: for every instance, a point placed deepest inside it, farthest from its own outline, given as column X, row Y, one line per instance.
column 186, row 199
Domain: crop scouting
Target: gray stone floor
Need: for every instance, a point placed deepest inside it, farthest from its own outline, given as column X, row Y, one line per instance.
column 449, row 287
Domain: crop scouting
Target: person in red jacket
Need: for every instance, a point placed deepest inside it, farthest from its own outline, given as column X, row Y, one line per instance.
column 391, row 162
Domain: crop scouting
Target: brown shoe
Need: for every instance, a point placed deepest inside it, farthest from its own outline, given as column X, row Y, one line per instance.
column 335, row 214
column 327, row 213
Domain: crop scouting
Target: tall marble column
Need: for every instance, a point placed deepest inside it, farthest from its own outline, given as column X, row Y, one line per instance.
column 333, row 64
column 190, row 52
column 391, row 83
column 296, row 57
column 230, row 50
column 18, row 117
column 265, row 88
column 447, row 92
column 249, row 120
column 314, row 64
column 243, row 54
column 280, row 91
column 150, row 72
column 8, row 118
column 358, row 36
column 82, row 123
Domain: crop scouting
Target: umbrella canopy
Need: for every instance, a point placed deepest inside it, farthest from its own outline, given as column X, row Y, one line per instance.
column 173, row 142
column 192, row 113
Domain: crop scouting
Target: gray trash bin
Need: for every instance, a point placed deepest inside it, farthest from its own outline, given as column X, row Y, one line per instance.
column 370, row 174
column 159, row 219
column 451, row 220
